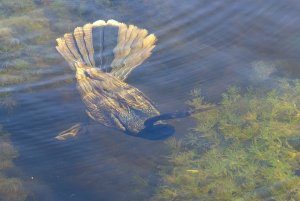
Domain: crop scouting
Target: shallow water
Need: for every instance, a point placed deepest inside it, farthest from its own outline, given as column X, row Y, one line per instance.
column 211, row 44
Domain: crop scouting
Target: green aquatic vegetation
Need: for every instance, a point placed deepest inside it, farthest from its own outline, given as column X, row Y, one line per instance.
column 15, row 66
column 6, row 101
column 9, row 7
column 25, row 43
column 6, row 65
column 11, row 188
column 7, row 153
column 5, row 32
column 251, row 149
column 34, row 24
column 262, row 70
column 10, row 44
column 65, row 14
column 7, row 79
column 104, row 2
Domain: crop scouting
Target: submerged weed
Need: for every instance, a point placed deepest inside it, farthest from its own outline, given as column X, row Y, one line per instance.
column 7, row 102
column 253, row 151
column 11, row 188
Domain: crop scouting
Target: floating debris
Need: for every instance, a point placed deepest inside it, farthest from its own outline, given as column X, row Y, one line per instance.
column 193, row 171
column 69, row 133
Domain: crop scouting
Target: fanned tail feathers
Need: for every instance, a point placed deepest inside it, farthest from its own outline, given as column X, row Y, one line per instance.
column 132, row 47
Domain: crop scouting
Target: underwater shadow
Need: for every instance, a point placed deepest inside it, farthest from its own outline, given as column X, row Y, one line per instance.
column 162, row 131
column 155, row 132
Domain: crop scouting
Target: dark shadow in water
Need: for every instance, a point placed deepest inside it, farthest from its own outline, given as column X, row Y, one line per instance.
column 162, row 131
column 155, row 132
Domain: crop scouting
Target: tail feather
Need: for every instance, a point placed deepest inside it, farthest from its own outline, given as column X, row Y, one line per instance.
column 134, row 47
column 79, row 37
column 109, row 42
column 88, row 39
column 63, row 49
column 105, row 39
column 72, row 46
column 139, row 50
column 99, row 23
column 118, row 49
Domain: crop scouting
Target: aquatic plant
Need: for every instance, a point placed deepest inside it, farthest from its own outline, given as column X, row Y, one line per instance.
column 11, row 188
column 251, row 153
column 9, row 46
column 7, row 102
column 63, row 13
column 15, row 7
column 7, row 152
column 5, row 65
column 35, row 24
column 5, row 32
column 25, row 43
column 262, row 70
column 104, row 2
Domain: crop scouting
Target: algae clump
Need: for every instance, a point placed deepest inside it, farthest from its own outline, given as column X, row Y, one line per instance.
column 244, row 149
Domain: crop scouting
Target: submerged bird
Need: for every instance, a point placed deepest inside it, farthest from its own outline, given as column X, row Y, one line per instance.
column 103, row 54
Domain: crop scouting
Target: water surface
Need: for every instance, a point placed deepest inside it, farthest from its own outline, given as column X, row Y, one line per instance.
column 211, row 44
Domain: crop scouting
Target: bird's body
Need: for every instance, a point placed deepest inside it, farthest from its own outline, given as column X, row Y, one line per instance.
column 103, row 54
column 113, row 102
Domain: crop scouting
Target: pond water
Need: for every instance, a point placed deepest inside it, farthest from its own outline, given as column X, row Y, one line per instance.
column 201, row 43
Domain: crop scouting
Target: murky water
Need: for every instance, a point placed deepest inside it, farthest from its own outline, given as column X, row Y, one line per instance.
column 211, row 44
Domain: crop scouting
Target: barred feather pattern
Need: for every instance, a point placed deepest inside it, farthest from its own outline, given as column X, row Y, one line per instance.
column 113, row 102
column 134, row 46
column 108, row 99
